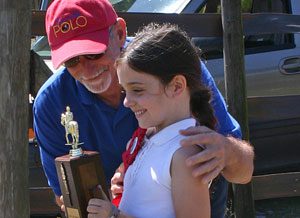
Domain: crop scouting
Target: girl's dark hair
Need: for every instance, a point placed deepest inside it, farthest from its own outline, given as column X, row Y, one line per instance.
column 165, row 51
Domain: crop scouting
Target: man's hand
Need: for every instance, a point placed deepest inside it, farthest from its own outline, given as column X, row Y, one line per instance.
column 117, row 181
column 60, row 202
column 227, row 155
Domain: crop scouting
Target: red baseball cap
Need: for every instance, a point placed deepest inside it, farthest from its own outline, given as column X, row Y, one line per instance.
column 78, row 27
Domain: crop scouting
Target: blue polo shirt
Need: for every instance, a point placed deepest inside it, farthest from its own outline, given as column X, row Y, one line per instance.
column 101, row 127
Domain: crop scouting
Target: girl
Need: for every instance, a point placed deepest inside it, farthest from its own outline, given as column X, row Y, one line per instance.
column 161, row 76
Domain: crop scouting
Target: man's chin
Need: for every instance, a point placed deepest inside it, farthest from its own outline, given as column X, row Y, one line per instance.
column 98, row 86
column 95, row 90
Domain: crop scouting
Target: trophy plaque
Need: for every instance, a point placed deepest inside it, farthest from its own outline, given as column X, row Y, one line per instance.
column 80, row 173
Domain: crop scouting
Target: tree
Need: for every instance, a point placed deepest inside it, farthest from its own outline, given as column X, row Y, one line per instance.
column 15, row 20
column 235, row 86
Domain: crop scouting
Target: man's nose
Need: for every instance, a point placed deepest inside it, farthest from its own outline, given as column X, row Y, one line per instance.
column 87, row 66
column 86, row 63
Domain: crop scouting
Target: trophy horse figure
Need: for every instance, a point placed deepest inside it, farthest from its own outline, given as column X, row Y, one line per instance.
column 71, row 127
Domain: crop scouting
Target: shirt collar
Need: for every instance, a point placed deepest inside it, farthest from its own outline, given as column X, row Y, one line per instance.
column 171, row 131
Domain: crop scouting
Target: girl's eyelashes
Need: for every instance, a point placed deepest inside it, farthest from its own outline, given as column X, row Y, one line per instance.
column 137, row 90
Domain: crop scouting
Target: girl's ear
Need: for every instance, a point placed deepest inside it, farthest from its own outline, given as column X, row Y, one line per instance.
column 121, row 31
column 177, row 85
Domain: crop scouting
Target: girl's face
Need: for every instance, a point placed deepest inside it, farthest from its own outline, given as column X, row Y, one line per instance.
column 146, row 96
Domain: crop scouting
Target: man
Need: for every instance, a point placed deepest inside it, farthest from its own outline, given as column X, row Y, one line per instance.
column 86, row 36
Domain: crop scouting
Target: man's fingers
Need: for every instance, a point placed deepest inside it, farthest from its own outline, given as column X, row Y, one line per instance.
column 60, row 202
column 117, row 179
column 207, row 138
column 194, row 130
column 205, row 168
column 200, row 157
column 62, row 208
column 120, row 168
column 191, row 140
column 117, row 184
column 212, row 175
column 116, row 190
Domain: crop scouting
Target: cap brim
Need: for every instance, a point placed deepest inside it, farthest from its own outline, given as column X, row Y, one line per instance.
column 89, row 43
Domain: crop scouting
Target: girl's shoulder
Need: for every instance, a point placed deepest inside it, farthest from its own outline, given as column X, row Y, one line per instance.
column 186, row 151
column 178, row 163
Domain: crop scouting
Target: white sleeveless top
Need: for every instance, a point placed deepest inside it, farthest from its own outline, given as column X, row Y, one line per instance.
column 147, row 182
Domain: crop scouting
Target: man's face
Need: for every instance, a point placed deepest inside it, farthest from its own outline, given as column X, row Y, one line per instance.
column 99, row 75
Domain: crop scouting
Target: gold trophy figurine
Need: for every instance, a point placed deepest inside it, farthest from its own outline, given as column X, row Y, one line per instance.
column 71, row 127
column 80, row 173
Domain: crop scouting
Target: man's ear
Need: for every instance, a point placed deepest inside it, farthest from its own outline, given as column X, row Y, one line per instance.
column 121, row 31
column 177, row 85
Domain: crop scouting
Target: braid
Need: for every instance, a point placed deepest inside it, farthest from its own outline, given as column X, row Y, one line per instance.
column 201, row 108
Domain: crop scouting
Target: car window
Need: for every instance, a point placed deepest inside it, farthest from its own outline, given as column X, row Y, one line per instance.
column 157, row 6
column 212, row 47
column 161, row 6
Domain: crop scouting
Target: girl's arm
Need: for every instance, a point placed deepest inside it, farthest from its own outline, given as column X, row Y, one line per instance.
column 190, row 195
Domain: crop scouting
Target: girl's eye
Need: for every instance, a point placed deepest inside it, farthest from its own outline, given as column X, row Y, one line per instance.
column 123, row 91
column 137, row 90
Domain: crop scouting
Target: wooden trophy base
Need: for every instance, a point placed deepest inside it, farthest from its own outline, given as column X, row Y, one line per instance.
column 78, row 179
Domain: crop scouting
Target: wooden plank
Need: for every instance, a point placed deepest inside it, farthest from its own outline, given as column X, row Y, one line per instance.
column 276, row 185
column 42, row 201
column 201, row 25
column 204, row 25
column 38, row 23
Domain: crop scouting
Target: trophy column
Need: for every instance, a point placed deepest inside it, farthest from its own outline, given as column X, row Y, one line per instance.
column 80, row 173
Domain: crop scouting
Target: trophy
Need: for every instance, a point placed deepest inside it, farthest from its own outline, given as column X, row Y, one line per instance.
column 80, row 173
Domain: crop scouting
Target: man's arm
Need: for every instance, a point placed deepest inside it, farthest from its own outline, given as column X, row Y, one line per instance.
column 223, row 154
column 239, row 161
column 50, row 137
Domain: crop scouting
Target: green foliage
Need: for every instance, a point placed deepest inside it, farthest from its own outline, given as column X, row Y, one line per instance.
column 122, row 5
column 215, row 6
column 246, row 6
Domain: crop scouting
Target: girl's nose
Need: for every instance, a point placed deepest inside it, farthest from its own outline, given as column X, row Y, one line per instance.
column 128, row 101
